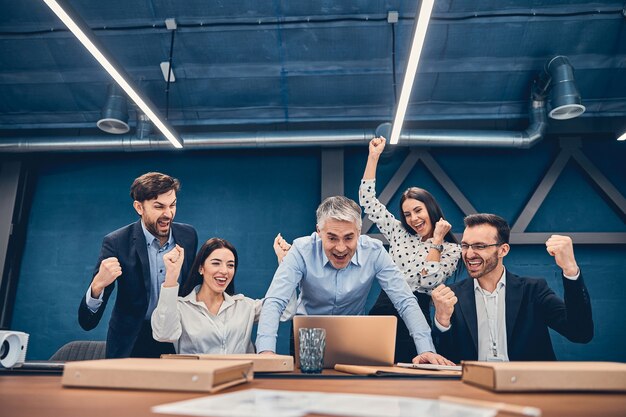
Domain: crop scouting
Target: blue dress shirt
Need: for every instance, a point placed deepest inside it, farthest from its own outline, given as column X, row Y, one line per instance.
column 325, row 290
column 157, row 266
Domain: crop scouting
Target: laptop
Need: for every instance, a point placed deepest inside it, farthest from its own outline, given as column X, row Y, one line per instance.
column 352, row 340
column 54, row 367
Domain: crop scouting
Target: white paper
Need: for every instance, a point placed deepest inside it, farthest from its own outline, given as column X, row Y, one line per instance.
column 276, row 403
column 252, row 402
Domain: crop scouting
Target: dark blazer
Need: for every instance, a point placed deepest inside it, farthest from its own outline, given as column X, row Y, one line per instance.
column 129, row 246
column 531, row 307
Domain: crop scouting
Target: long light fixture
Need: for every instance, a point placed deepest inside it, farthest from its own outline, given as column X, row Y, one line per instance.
column 421, row 25
column 622, row 137
column 79, row 28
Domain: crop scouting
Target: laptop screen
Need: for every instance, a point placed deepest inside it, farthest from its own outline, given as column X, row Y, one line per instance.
column 352, row 340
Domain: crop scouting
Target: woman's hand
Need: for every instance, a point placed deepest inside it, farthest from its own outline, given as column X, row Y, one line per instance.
column 442, row 227
column 281, row 247
column 173, row 264
column 377, row 145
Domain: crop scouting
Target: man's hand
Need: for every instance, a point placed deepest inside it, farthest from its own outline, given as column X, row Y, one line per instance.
column 377, row 145
column 281, row 247
column 442, row 227
column 173, row 264
column 444, row 300
column 430, row 357
column 108, row 272
column 562, row 248
column 267, row 352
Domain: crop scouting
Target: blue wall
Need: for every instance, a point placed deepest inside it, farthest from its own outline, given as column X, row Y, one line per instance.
column 249, row 196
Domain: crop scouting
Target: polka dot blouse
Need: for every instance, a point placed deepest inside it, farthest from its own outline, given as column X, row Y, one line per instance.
column 407, row 250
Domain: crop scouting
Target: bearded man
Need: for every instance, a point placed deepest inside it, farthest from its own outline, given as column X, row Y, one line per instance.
column 132, row 257
column 498, row 316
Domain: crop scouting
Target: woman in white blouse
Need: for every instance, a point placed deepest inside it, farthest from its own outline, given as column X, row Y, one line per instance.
column 420, row 244
column 208, row 318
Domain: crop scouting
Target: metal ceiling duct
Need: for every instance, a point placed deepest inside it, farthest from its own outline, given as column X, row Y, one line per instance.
column 565, row 102
column 287, row 139
column 115, row 112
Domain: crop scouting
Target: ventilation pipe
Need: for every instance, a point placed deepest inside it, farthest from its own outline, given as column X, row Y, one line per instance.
column 288, row 139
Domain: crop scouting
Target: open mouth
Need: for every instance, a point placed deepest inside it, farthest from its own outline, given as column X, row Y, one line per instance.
column 340, row 258
column 419, row 225
column 164, row 224
column 473, row 264
column 221, row 281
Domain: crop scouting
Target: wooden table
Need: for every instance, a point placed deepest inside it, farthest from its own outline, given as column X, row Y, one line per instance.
column 43, row 395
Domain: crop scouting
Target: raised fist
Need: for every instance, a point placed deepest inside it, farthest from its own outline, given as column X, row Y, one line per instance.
column 444, row 300
column 442, row 227
column 377, row 145
column 281, row 247
column 110, row 269
column 562, row 248
column 173, row 263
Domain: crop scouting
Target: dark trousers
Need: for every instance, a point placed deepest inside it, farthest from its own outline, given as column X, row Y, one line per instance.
column 147, row 347
column 405, row 346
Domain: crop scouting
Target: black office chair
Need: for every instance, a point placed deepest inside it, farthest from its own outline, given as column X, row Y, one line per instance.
column 80, row 350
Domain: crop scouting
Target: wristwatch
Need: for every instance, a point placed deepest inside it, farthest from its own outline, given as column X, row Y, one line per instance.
column 436, row 247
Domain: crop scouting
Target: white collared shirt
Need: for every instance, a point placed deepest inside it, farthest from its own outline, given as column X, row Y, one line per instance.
column 496, row 301
column 188, row 324
column 491, row 320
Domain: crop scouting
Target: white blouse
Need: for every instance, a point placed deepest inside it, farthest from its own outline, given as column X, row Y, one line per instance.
column 188, row 324
column 407, row 250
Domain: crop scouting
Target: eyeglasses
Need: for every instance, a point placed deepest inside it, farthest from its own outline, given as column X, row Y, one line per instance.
column 478, row 246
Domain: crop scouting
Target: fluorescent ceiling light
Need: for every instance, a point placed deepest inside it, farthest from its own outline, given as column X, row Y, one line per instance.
column 75, row 24
column 622, row 137
column 409, row 76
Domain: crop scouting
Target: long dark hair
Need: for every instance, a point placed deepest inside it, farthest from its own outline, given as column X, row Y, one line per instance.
column 195, row 278
column 432, row 207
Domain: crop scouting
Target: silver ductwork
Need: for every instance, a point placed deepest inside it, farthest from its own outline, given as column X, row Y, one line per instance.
column 287, row 139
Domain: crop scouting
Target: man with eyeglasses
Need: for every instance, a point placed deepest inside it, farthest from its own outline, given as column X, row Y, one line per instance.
column 499, row 316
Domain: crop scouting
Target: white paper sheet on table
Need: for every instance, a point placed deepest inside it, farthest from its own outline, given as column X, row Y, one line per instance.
column 276, row 403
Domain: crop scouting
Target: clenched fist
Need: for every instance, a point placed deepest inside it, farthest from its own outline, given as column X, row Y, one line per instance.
column 108, row 272
column 562, row 248
column 442, row 227
column 444, row 300
column 281, row 247
column 377, row 145
column 173, row 264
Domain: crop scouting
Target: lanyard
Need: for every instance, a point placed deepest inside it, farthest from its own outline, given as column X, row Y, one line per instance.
column 493, row 330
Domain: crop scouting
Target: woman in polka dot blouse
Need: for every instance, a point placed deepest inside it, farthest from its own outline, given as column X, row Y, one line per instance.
column 420, row 244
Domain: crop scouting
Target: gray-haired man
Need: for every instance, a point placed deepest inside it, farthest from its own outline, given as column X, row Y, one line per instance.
column 335, row 268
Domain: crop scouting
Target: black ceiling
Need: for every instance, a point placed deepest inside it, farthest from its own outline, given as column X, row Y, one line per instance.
column 243, row 63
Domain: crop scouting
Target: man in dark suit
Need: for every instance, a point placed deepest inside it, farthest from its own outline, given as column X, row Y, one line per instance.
column 501, row 316
column 132, row 257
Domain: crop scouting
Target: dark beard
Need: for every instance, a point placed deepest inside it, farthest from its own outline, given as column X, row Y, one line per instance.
column 489, row 264
column 152, row 228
